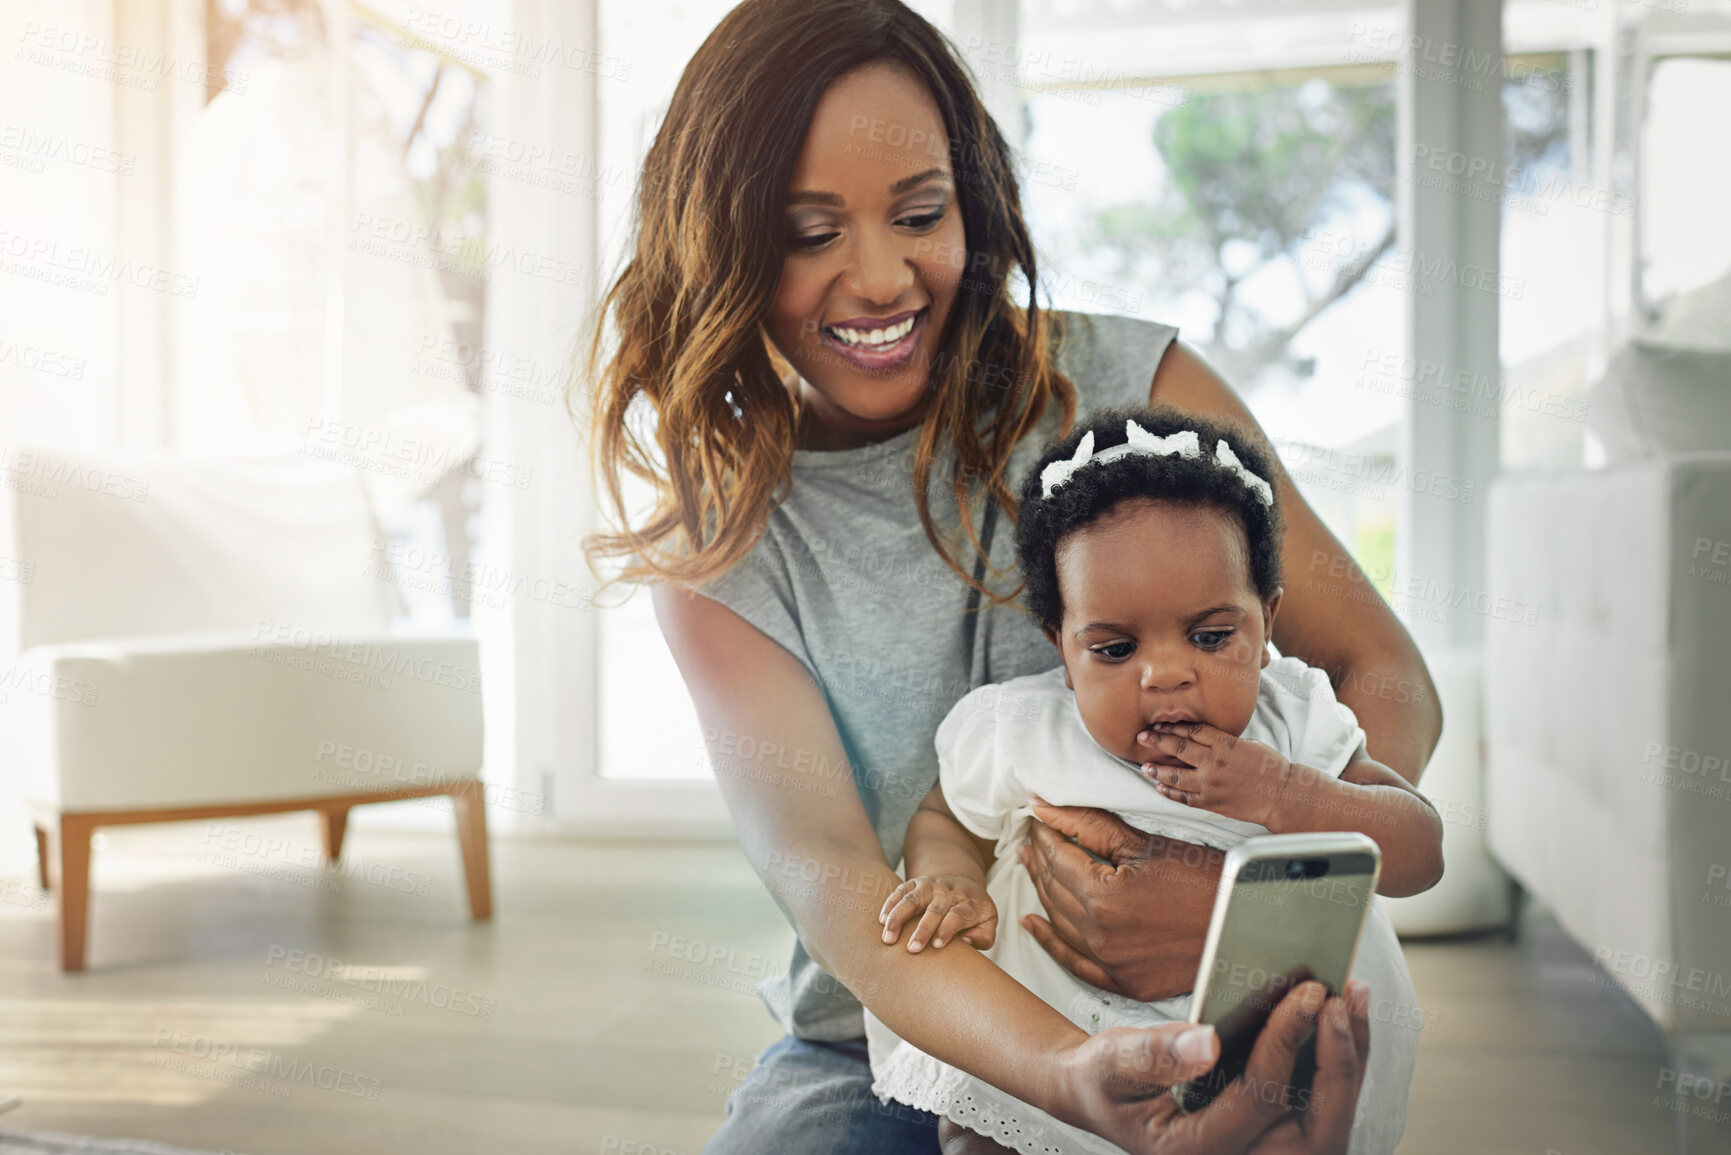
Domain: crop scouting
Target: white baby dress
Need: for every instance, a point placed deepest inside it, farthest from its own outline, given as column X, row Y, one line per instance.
column 1009, row 740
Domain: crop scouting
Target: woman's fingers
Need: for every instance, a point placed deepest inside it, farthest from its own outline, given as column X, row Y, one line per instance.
column 1342, row 1057
column 1268, row 1075
column 1041, row 857
column 1339, row 1073
column 1145, row 1061
column 1121, row 1080
column 1067, row 917
column 1131, row 1064
column 1060, row 869
column 1068, row 957
column 1184, row 1051
column 1100, row 831
column 1250, row 1104
column 1358, row 1009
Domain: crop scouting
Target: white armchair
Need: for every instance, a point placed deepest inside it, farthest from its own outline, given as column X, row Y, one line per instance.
column 1608, row 733
column 185, row 640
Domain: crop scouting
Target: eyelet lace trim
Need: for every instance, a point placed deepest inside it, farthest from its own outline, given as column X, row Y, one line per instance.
column 913, row 1077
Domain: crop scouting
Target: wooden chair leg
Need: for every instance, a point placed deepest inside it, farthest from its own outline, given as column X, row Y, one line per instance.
column 42, row 871
column 469, row 801
column 333, row 822
column 69, row 870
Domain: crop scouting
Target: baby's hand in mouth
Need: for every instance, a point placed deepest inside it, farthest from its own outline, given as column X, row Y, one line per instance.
column 1153, row 757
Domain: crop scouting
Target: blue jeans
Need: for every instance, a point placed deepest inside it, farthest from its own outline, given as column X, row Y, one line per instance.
column 810, row 1098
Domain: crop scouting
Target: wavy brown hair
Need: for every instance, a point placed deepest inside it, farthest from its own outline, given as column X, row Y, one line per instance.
column 708, row 242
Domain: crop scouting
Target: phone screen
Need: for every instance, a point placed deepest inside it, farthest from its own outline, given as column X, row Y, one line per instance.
column 1288, row 920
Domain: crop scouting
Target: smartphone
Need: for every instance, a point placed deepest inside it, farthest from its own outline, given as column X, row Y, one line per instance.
column 1290, row 908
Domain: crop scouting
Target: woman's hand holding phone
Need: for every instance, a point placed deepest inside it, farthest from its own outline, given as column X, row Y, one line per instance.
column 1342, row 1051
column 1118, row 1082
column 1137, row 927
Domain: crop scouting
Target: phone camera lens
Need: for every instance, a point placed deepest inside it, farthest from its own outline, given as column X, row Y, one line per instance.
column 1295, row 869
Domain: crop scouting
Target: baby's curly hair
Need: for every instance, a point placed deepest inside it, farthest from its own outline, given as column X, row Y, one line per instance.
column 1094, row 490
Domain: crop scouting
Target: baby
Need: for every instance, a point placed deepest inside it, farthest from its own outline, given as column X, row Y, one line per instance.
column 1150, row 544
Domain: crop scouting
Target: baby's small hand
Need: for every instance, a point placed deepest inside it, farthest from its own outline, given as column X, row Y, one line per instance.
column 951, row 903
column 1238, row 777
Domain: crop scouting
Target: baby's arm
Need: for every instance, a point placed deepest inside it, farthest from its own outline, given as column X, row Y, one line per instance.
column 946, row 867
column 1372, row 799
column 1242, row 778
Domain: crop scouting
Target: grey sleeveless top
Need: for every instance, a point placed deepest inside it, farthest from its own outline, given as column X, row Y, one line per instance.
column 845, row 580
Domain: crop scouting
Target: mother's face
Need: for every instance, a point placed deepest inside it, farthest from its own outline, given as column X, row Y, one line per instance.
column 875, row 242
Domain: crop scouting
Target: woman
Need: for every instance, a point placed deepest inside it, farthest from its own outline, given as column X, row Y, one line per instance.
column 817, row 317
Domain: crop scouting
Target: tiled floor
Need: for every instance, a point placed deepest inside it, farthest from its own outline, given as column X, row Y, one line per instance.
column 241, row 999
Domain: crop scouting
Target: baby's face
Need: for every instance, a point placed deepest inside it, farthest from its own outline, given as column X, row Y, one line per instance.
column 1161, row 623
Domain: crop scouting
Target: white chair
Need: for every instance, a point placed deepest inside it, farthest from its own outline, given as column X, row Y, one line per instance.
column 189, row 640
column 1608, row 737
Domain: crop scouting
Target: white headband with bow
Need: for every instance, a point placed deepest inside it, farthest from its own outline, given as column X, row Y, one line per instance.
column 1184, row 443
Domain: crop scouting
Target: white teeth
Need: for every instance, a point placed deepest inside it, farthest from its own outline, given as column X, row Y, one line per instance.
column 877, row 337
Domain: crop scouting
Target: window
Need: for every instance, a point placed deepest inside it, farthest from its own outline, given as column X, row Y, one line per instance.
column 1566, row 209
column 1553, row 220
column 328, row 195
column 649, row 727
column 1684, row 174
column 1252, row 206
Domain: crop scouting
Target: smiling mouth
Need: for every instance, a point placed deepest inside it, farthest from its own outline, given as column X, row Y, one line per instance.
column 884, row 347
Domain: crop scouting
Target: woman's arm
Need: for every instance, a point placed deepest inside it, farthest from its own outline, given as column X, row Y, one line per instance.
column 1368, row 655
column 744, row 684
